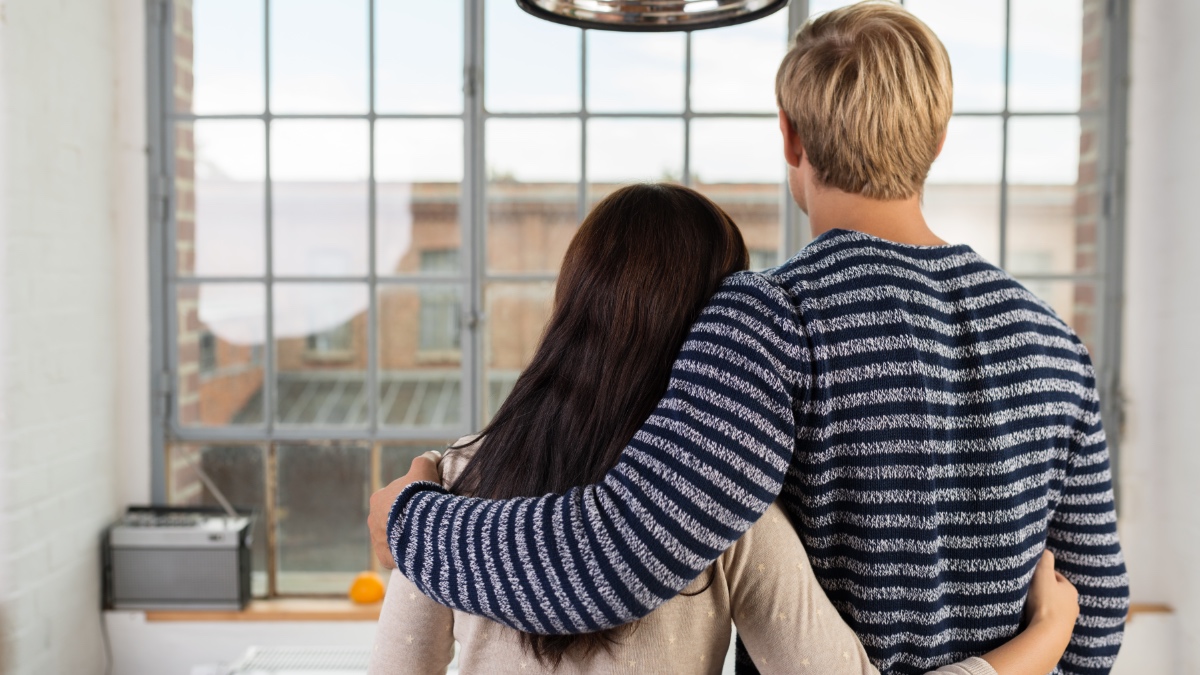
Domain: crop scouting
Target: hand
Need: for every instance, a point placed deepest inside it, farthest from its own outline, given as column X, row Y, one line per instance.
column 1052, row 608
column 424, row 467
column 1053, row 600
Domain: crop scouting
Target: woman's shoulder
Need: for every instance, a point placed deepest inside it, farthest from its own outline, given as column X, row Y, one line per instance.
column 772, row 538
column 455, row 459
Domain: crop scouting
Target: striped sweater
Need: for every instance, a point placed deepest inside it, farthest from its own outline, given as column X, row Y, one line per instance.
column 928, row 423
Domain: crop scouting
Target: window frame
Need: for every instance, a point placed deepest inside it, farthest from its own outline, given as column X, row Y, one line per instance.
column 1108, row 275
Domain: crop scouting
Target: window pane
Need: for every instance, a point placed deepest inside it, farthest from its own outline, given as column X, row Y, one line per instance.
column 739, row 165
column 516, row 315
column 420, row 351
column 973, row 33
column 418, row 176
column 321, row 352
column 630, row 150
column 532, row 65
column 737, row 151
column 319, row 197
column 239, row 473
column 1076, row 303
column 419, row 56
column 1051, row 198
column 1043, row 150
column 1046, row 49
column 220, row 197
column 321, row 511
column 220, row 331
column 219, row 56
column 635, row 72
column 733, row 68
column 962, row 195
column 319, row 56
column 533, row 193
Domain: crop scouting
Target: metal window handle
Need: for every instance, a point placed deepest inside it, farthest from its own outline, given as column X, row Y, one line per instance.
column 472, row 319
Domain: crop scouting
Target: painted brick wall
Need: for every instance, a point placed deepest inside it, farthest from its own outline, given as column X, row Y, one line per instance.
column 61, row 190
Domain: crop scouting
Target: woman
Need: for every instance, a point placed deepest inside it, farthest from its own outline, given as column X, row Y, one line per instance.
column 633, row 281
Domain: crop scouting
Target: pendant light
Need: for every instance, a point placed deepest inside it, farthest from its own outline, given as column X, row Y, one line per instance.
column 651, row 15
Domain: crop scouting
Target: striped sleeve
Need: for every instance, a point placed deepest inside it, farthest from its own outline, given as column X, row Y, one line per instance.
column 702, row 469
column 1083, row 537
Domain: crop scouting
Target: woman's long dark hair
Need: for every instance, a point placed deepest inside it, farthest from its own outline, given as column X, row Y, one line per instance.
column 634, row 279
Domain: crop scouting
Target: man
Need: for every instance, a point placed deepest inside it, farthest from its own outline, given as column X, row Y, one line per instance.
column 927, row 422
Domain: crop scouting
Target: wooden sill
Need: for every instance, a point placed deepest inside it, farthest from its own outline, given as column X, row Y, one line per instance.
column 305, row 609
column 1147, row 608
column 291, row 609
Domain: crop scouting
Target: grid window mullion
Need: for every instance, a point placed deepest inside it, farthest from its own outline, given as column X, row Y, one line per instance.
column 1004, row 128
column 269, row 376
column 473, row 204
column 582, row 205
column 687, row 110
column 371, row 381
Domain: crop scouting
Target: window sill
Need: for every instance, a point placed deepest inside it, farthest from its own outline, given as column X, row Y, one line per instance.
column 334, row 609
column 291, row 609
column 1147, row 608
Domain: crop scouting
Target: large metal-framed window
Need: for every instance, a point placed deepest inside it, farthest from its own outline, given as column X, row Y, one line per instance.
column 352, row 262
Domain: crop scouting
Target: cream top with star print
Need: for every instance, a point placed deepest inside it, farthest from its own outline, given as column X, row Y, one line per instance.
column 763, row 584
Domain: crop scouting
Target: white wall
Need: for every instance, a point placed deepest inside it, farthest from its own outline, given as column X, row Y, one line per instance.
column 179, row 648
column 131, row 245
column 72, row 202
column 1161, row 456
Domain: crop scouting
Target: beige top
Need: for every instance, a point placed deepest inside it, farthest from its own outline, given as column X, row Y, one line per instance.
column 763, row 584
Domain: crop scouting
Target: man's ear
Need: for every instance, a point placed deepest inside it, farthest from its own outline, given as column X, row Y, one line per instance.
column 941, row 144
column 793, row 151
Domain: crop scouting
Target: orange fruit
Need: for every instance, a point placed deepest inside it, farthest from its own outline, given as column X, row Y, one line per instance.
column 366, row 589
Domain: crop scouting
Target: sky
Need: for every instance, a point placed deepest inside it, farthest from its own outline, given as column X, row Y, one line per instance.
column 319, row 57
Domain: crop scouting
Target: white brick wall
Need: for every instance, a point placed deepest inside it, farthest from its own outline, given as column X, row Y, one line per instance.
column 72, row 227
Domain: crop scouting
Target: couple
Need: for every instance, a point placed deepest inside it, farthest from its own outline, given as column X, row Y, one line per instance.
column 861, row 458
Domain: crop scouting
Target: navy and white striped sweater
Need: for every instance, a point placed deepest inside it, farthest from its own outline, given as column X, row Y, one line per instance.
column 928, row 423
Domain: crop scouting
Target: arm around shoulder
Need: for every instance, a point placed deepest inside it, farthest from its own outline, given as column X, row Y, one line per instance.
column 700, row 471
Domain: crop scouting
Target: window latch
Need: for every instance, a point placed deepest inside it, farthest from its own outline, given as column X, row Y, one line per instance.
column 472, row 319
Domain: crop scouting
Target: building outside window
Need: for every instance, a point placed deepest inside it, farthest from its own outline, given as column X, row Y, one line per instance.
column 208, row 354
column 335, row 341
column 763, row 258
column 441, row 313
column 361, row 231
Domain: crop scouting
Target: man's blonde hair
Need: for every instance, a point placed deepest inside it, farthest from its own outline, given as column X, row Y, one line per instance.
column 868, row 90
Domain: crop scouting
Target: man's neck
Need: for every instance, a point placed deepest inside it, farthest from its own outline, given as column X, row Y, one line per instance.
column 897, row 220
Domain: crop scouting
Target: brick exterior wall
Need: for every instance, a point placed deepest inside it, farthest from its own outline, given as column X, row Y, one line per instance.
column 188, row 324
column 183, row 486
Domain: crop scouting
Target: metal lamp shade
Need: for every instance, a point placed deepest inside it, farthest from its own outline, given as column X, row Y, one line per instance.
column 651, row 15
